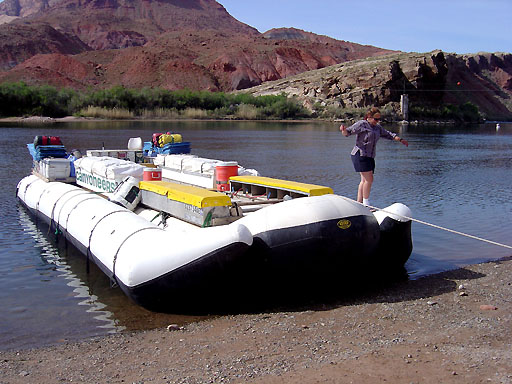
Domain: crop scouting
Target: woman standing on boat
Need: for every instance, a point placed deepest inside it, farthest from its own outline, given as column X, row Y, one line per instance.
column 368, row 132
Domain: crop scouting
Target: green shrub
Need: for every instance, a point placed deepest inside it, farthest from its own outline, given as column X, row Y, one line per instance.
column 247, row 112
column 469, row 112
column 194, row 113
column 466, row 112
column 285, row 108
column 106, row 113
column 159, row 113
column 19, row 99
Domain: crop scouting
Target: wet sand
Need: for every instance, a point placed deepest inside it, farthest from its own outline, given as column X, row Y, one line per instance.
column 453, row 327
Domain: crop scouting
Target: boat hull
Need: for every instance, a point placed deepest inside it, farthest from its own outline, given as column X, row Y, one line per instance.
column 195, row 286
column 143, row 259
column 317, row 238
column 313, row 236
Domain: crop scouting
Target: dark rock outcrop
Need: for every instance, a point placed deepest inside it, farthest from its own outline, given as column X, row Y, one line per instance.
column 430, row 79
column 196, row 44
column 21, row 41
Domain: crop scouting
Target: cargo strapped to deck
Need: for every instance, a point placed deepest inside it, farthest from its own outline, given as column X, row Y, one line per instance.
column 188, row 194
column 275, row 188
column 195, row 205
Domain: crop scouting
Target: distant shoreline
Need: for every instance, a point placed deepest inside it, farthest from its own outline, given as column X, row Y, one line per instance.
column 51, row 120
column 66, row 119
column 43, row 119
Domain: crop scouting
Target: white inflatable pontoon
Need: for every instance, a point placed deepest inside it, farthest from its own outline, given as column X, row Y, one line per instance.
column 177, row 239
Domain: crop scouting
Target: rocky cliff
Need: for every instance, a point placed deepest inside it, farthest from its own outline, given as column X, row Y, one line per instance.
column 431, row 79
column 166, row 43
column 112, row 24
column 196, row 44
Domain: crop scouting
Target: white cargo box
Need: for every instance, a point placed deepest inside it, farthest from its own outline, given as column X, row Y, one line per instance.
column 55, row 169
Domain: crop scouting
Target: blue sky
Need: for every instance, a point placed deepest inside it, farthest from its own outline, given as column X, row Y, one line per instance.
column 460, row 26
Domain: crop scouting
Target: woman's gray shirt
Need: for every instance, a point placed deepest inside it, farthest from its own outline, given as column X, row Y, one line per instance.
column 367, row 137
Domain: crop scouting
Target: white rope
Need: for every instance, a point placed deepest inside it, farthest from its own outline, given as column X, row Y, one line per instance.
column 436, row 226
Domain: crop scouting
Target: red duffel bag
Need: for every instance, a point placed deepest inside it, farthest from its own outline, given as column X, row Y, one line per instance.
column 47, row 140
column 155, row 138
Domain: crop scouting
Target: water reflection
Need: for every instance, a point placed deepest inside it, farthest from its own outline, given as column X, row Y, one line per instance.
column 52, row 257
column 456, row 177
column 38, row 314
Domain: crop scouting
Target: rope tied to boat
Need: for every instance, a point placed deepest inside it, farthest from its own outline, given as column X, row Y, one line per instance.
column 434, row 225
column 72, row 209
column 88, row 253
column 52, row 218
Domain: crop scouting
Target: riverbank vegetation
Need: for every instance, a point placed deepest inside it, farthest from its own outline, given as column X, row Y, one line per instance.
column 464, row 113
column 19, row 99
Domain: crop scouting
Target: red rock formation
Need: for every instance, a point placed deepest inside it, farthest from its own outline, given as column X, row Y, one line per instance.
column 19, row 42
column 110, row 24
column 166, row 43
column 430, row 79
column 53, row 69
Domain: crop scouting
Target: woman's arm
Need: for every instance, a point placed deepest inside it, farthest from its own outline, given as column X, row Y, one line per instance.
column 392, row 136
column 354, row 128
column 403, row 141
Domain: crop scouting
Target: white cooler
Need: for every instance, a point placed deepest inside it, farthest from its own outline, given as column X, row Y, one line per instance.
column 55, row 169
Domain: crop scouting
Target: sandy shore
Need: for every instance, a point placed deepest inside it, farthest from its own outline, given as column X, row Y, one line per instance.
column 454, row 327
column 45, row 119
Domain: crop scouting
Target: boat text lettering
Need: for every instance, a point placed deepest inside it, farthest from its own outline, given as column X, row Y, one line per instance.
column 344, row 224
column 97, row 182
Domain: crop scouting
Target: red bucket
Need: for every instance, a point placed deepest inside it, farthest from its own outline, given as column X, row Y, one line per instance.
column 152, row 174
column 224, row 171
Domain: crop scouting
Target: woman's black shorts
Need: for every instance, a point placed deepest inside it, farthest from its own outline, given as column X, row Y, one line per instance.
column 363, row 163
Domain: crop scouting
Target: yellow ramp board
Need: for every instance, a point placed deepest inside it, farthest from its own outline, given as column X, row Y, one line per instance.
column 196, row 196
column 310, row 189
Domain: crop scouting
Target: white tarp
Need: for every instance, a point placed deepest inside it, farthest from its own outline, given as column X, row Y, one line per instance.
column 194, row 164
column 199, row 165
column 175, row 162
column 103, row 174
column 109, row 167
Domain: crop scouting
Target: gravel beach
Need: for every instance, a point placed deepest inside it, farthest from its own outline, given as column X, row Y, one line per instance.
column 454, row 327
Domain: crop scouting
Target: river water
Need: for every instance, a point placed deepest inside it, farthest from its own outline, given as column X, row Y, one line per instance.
column 456, row 177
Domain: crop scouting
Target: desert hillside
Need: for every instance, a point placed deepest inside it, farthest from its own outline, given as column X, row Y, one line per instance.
column 430, row 79
column 172, row 44
column 198, row 45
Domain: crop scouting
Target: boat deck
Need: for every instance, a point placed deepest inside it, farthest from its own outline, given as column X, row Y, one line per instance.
column 187, row 194
column 275, row 188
